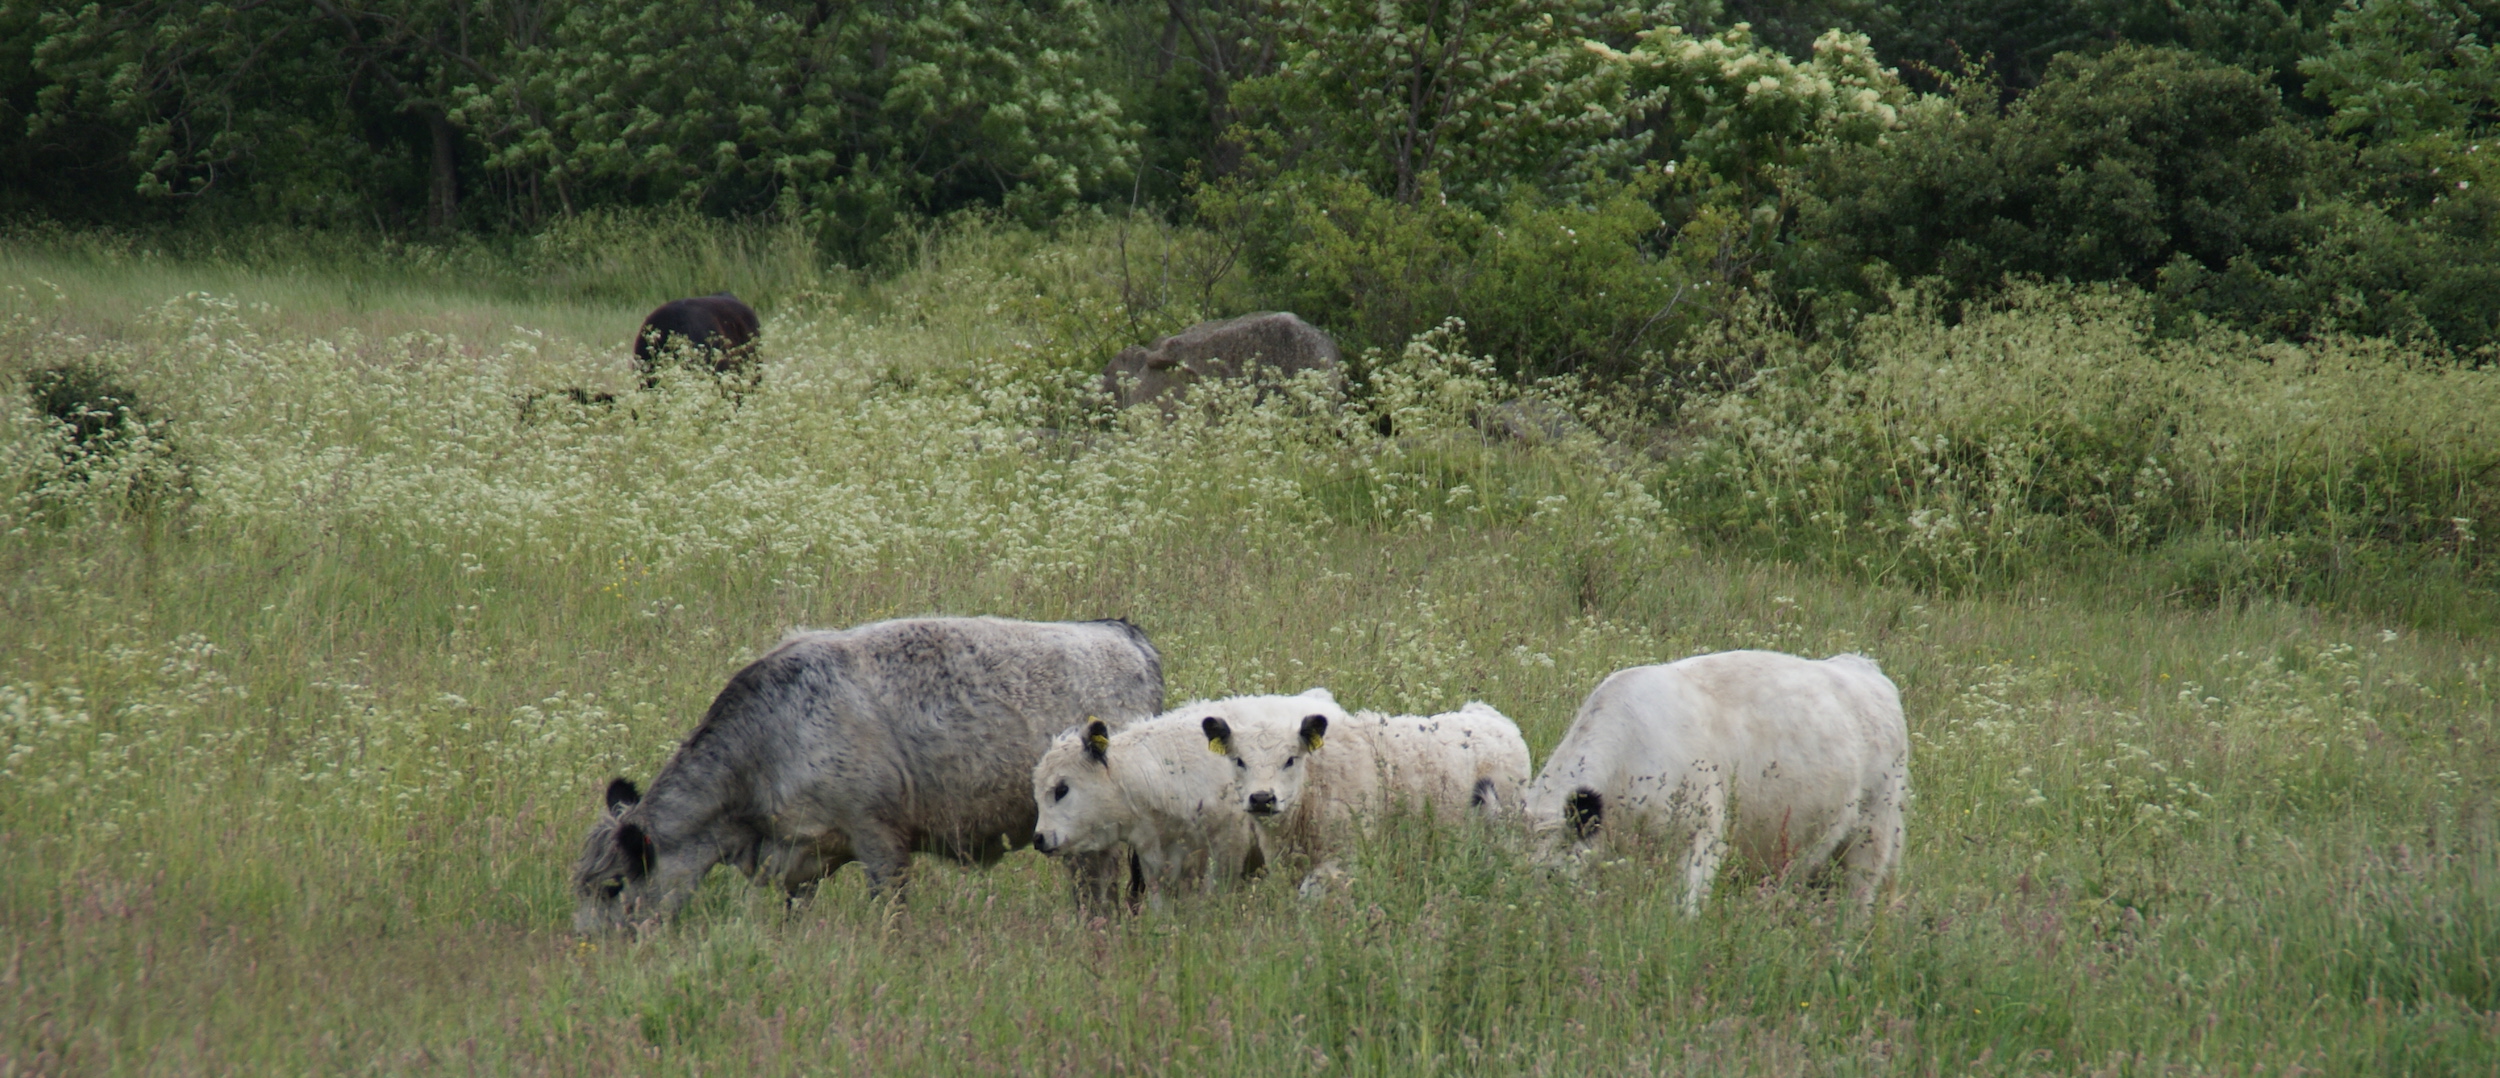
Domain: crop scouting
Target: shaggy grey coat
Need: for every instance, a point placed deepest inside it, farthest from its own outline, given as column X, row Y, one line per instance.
column 1280, row 342
column 865, row 745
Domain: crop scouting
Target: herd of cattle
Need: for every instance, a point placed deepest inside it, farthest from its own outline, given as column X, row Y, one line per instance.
column 969, row 737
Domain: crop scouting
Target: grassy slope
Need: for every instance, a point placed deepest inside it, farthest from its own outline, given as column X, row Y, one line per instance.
column 293, row 785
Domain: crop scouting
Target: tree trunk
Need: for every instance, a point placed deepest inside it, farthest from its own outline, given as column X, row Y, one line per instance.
column 1168, row 51
column 442, row 201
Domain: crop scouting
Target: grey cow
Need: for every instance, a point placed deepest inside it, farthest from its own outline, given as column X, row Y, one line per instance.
column 866, row 745
column 1277, row 340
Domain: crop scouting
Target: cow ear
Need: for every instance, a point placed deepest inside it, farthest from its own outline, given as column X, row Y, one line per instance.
column 640, row 852
column 1314, row 731
column 1098, row 742
column 622, row 795
column 1583, row 811
column 1219, row 735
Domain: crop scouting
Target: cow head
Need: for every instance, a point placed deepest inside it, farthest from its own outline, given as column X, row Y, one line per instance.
column 1270, row 740
column 623, row 877
column 1078, row 803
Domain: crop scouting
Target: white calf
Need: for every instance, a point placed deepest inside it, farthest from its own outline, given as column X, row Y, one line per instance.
column 1153, row 786
column 1812, row 755
column 1308, row 772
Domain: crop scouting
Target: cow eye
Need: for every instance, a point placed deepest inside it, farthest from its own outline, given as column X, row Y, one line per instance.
column 1059, row 792
column 1237, row 762
column 1290, row 759
column 612, row 888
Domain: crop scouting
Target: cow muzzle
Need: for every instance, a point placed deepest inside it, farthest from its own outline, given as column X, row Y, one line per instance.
column 1263, row 803
column 1041, row 843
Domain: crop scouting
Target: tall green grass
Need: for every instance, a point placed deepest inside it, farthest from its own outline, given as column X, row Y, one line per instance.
column 297, row 754
column 2061, row 426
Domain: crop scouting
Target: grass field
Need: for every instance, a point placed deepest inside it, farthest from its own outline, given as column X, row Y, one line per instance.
column 308, row 695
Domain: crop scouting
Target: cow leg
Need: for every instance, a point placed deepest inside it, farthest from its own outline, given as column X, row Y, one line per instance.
column 1327, row 876
column 886, row 856
column 1877, row 848
column 1815, row 864
column 1094, row 879
column 1709, row 847
column 798, row 869
column 802, row 865
column 797, row 896
column 1224, row 865
column 1163, row 874
column 806, row 869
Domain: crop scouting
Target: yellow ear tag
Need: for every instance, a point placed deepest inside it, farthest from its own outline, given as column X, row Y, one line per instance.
column 1099, row 742
column 1219, row 746
column 1316, row 743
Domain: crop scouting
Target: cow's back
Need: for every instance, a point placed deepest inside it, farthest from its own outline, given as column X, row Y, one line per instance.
column 1438, row 760
column 931, row 725
column 971, row 704
column 719, row 324
column 1798, row 742
column 1279, row 341
column 1767, row 721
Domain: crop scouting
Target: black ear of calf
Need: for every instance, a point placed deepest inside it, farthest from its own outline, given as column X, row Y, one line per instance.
column 1584, row 810
column 640, row 851
column 1314, row 727
column 622, row 793
column 1216, row 729
column 1098, row 742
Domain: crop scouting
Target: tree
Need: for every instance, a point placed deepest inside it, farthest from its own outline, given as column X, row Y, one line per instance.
column 2396, row 70
column 321, row 118
column 2112, row 168
column 1486, row 95
column 1223, row 42
column 843, row 114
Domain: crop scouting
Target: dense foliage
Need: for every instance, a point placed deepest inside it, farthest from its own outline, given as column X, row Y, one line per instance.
column 2296, row 168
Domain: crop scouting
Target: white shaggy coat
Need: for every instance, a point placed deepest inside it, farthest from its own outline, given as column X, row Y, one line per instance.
column 1319, row 789
column 1796, row 763
column 1154, row 787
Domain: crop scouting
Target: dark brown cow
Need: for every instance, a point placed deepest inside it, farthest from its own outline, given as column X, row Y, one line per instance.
column 718, row 325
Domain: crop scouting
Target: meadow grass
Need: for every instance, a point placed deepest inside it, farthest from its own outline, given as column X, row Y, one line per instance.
column 310, row 693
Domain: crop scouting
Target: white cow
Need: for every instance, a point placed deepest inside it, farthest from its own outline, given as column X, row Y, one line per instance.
column 1308, row 772
column 1812, row 756
column 1153, row 786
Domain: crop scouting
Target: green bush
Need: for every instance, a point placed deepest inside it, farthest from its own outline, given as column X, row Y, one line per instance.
column 2179, row 174
column 1547, row 288
column 2114, row 167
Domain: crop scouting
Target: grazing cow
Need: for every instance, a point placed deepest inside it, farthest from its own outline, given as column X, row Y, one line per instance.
column 1279, row 342
column 1811, row 757
column 1154, row 787
column 865, row 745
column 718, row 327
column 1307, row 772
